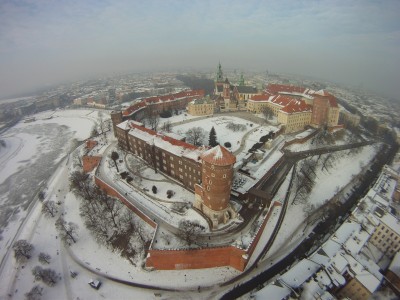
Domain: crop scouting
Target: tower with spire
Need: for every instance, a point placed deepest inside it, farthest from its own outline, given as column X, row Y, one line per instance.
column 219, row 81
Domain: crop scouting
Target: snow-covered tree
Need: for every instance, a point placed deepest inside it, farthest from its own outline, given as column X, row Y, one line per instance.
column 195, row 136
column 22, row 250
column 35, row 293
column 44, row 258
column 47, row 276
column 49, row 208
column 67, row 230
column 189, row 230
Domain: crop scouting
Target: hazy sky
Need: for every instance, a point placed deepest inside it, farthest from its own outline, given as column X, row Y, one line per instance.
column 45, row 42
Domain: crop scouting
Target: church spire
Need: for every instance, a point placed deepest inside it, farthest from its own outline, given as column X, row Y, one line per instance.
column 241, row 81
column 220, row 76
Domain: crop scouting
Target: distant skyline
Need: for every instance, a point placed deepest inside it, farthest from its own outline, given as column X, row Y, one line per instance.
column 46, row 42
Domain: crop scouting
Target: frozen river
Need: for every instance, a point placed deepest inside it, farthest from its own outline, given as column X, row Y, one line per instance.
column 31, row 154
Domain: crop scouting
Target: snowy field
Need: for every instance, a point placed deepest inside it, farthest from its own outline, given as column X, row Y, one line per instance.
column 32, row 153
column 224, row 134
column 344, row 168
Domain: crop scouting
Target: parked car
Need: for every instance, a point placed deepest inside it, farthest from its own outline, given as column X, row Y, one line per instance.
column 94, row 284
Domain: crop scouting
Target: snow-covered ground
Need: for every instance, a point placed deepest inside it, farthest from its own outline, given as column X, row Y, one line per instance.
column 328, row 183
column 220, row 123
column 32, row 153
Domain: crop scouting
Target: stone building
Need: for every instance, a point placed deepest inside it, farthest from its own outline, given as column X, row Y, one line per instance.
column 207, row 172
column 386, row 236
column 235, row 96
column 213, row 195
column 201, row 107
column 170, row 156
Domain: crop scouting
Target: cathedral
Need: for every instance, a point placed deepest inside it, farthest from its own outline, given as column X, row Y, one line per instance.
column 231, row 97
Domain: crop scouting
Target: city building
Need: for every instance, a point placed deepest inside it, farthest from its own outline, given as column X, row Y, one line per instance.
column 297, row 107
column 386, row 236
column 158, row 104
column 235, row 96
column 201, row 107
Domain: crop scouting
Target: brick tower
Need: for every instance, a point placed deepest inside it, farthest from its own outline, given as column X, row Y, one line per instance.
column 212, row 197
column 116, row 118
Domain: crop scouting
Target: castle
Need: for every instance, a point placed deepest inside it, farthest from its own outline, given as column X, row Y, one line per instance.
column 294, row 107
column 207, row 172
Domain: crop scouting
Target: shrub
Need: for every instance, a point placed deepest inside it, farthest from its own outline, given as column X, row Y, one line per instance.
column 170, row 193
column 154, row 189
column 227, row 145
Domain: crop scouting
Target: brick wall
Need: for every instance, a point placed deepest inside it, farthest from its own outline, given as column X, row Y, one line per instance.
column 112, row 192
column 90, row 162
column 256, row 239
column 196, row 258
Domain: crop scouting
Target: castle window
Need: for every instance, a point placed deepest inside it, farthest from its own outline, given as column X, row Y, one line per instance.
column 210, row 182
column 208, row 187
column 180, row 162
column 212, row 167
column 212, row 175
column 171, row 158
column 224, row 176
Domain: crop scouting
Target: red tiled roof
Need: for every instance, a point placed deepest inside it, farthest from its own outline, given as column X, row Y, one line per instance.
column 262, row 97
column 281, row 100
column 296, row 106
column 219, row 156
column 133, row 108
column 330, row 97
column 164, row 98
column 277, row 88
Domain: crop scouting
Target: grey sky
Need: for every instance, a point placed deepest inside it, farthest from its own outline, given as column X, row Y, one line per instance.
column 45, row 42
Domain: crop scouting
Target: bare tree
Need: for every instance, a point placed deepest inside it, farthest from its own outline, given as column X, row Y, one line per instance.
column 303, row 181
column 49, row 208
column 196, row 136
column 48, row 276
column 67, row 230
column 35, row 293
column 166, row 126
column 189, row 231
column 111, row 208
column 267, row 112
column 44, row 258
column 81, row 185
column 152, row 118
column 22, row 250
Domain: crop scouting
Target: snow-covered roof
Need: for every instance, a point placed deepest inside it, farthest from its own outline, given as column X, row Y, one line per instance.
column 173, row 146
column 297, row 275
column 219, row 156
column 274, row 291
column 392, row 222
column 395, row 264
